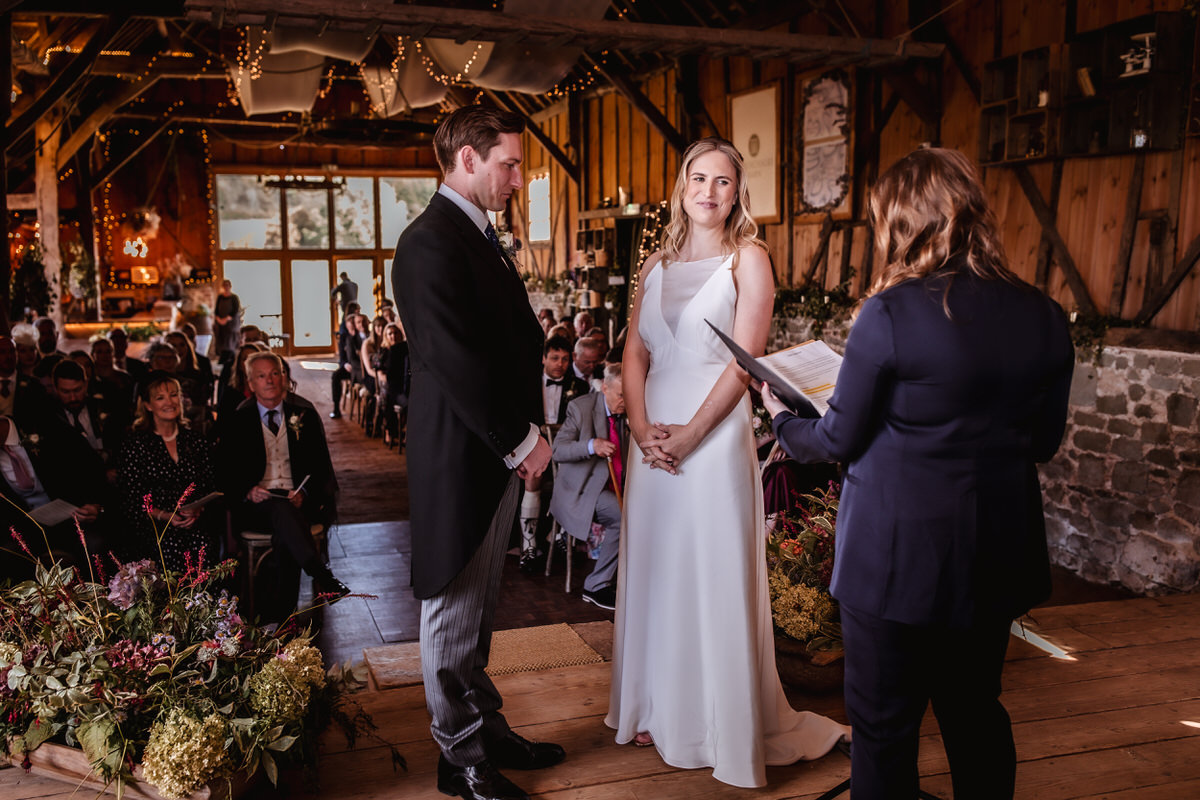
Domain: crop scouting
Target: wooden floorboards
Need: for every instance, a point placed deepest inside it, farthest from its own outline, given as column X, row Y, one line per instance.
column 1119, row 721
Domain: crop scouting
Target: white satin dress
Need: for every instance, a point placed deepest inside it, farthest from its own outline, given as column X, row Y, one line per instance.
column 694, row 656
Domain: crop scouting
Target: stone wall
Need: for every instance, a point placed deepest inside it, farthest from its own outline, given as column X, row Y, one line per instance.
column 1123, row 493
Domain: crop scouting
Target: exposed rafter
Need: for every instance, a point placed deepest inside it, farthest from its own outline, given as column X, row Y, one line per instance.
column 454, row 23
column 548, row 144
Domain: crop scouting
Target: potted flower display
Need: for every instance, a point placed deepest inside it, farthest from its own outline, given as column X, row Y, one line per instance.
column 154, row 681
column 808, row 634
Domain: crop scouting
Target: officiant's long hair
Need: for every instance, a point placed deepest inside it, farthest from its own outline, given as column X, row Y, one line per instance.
column 929, row 210
column 740, row 228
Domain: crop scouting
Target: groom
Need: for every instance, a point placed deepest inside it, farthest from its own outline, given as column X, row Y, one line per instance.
column 475, row 348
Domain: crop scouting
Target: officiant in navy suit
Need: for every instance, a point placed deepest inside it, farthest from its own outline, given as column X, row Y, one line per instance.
column 475, row 348
column 954, row 386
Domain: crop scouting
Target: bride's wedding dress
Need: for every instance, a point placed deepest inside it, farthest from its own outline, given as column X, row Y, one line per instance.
column 694, row 657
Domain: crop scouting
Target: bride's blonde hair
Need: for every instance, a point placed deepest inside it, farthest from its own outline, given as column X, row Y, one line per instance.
column 740, row 228
column 928, row 209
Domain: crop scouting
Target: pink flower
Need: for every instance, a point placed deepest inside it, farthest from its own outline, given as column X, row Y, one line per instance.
column 20, row 541
column 147, row 503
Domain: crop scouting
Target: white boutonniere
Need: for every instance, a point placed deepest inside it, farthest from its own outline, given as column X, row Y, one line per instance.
column 30, row 443
column 510, row 245
column 295, row 423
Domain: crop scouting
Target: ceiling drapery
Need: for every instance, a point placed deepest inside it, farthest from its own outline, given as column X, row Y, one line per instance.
column 282, row 69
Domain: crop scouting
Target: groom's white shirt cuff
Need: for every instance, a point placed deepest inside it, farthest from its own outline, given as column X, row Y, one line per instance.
column 514, row 459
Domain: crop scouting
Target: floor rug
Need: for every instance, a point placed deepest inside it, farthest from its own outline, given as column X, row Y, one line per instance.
column 516, row 650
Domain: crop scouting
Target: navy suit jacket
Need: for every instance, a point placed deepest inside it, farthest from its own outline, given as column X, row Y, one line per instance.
column 941, row 422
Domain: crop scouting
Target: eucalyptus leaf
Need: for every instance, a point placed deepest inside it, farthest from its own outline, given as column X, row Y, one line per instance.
column 282, row 744
column 269, row 767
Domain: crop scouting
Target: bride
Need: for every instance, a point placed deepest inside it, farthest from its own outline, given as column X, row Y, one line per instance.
column 694, row 659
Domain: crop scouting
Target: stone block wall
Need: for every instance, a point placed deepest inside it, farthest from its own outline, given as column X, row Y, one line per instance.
column 1123, row 493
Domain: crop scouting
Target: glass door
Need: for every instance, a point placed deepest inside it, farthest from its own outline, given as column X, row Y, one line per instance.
column 312, row 316
column 362, row 272
column 258, row 286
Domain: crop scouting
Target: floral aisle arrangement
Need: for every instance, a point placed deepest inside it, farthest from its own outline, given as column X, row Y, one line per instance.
column 159, row 670
column 800, row 549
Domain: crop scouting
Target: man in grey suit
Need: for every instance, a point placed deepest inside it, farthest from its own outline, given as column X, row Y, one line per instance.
column 593, row 433
column 475, row 350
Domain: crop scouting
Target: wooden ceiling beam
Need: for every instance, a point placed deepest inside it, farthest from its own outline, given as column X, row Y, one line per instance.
column 64, row 81
column 549, row 145
column 451, row 23
column 86, row 129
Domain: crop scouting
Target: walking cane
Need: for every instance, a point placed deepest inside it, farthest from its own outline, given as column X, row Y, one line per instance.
column 616, row 486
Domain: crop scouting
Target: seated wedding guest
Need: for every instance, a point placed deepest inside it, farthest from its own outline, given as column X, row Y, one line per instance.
column 189, row 371
column 253, row 333
column 589, row 356
column 274, row 468
column 121, row 358
column 202, row 361
column 953, row 388
column 357, row 328
column 559, row 387
column 21, row 397
column 84, row 359
column 160, row 459
column 561, row 330
column 546, row 319
column 25, row 339
column 368, row 351
column 339, row 376
column 116, row 385
column 393, row 365
column 584, row 321
column 47, row 338
column 83, row 414
column 593, row 434
column 41, row 466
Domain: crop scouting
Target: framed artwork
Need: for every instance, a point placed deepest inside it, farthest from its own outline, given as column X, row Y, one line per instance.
column 825, row 145
column 754, row 131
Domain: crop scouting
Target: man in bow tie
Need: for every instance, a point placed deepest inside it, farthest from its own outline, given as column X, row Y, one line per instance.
column 559, row 387
column 474, row 410
column 594, row 435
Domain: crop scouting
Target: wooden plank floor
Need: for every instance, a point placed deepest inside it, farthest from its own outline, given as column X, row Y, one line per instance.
column 1119, row 720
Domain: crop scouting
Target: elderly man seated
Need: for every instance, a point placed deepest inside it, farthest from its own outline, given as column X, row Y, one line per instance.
column 274, row 468
column 593, row 435
column 37, row 468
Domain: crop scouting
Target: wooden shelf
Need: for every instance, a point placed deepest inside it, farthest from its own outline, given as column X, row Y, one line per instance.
column 1093, row 96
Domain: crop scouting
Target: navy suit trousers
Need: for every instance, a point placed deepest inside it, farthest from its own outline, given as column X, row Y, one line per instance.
column 893, row 672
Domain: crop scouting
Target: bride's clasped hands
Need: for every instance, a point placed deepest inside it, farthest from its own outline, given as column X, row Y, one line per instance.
column 665, row 446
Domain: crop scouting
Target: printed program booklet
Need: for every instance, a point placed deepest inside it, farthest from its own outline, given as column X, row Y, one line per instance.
column 803, row 377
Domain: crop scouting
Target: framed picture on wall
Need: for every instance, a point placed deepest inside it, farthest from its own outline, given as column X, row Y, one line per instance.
column 754, row 131
column 825, row 145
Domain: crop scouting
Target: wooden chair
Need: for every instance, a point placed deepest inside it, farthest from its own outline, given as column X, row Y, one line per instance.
column 257, row 546
column 556, row 530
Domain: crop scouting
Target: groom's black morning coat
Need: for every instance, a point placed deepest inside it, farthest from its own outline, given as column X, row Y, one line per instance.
column 475, row 348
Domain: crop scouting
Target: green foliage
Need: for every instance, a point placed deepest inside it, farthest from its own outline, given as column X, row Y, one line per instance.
column 29, row 291
column 815, row 303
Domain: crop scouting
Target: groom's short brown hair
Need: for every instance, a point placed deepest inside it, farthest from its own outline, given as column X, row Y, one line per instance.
column 477, row 126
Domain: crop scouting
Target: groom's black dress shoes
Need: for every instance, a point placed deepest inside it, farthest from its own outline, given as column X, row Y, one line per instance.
column 479, row 782
column 513, row 751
